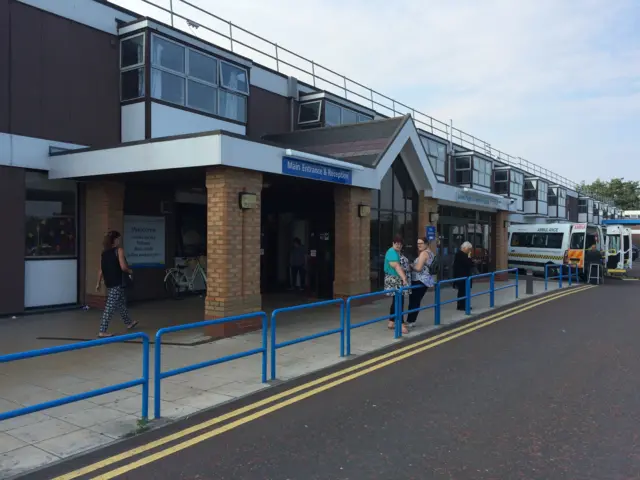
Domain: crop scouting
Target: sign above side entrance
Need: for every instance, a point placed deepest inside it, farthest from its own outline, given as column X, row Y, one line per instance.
column 315, row 171
column 477, row 198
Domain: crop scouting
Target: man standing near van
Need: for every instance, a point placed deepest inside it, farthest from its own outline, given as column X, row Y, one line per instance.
column 593, row 257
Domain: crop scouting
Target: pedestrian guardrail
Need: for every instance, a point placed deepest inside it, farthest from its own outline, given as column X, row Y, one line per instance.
column 159, row 374
column 144, row 380
column 438, row 300
column 413, row 310
column 275, row 345
column 348, row 326
column 492, row 287
column 561, row 276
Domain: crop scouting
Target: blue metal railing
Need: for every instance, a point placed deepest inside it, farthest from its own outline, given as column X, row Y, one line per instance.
column 159, row 374
column 415, row 310
column 275, row 345
column 492, row 287
column 561, row 276
column 438, row 300
column 395, row 317
column 144, row 380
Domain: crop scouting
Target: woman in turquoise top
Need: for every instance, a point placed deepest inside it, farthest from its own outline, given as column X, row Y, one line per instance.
column 395, row 276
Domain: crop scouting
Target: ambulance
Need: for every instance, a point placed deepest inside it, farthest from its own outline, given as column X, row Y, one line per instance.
column 533, row 246
column 583, row 236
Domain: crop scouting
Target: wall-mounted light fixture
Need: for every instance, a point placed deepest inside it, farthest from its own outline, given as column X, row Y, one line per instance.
column 434, row 217
column 247, row 201
column 364, row 211
column 505, row 224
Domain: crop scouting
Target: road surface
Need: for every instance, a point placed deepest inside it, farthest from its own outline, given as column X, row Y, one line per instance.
column 546, row 390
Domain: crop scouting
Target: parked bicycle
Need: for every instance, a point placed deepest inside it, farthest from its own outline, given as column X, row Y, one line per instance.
column 177, row 282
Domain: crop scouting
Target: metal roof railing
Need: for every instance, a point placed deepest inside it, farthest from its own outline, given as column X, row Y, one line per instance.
column 182, row 15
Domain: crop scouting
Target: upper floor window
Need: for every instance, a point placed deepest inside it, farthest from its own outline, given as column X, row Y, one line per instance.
column 132, row 67
column 501, row 182
column 517, row 183
column 310, row 112
column 583, row 205
column 463, row 170
column 190, row 78
column 530, row 189
column 552, row 198
column 481, row 172
column 337, row 115
column 542, row 192
column 437, row 153
column 562, row 197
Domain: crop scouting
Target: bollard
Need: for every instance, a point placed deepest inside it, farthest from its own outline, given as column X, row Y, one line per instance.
column 529, row 283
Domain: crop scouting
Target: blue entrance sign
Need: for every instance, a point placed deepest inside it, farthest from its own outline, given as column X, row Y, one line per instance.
column 431, row 233
column 315, row 171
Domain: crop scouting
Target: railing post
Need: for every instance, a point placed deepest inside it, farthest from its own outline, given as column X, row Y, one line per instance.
column 145, row 376
column 231, row 35
column 569, row 273
column 347, row 327
column 546, row 277
column 560, row 278
column 313, row 72
column 517, row 283
column 436, row 315
column 157, row 375
column 277, row 59
column 398, row 313
column 342, row 336
column 273, row 345
column 265, row 346
column 492, row 290
column 468, row 297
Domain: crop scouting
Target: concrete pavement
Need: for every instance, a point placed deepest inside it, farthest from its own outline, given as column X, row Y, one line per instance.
column 546, row 391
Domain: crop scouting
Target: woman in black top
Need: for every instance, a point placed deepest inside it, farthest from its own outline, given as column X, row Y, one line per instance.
column 113, row 268
column 462, row 268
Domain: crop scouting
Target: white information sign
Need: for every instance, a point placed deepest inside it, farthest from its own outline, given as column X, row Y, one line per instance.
column 143, row 241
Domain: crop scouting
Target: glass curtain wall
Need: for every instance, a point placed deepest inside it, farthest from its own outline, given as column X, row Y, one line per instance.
column 394, row 211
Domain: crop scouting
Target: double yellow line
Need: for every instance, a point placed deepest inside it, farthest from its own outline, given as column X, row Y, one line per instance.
column 345, row 375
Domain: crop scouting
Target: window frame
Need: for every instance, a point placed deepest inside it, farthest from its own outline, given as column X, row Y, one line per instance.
column 533, row 182
column 480, row 173
column 505, row 182
column 552, row 196
column 137, row 66
column 468, row 169
column 542, row 195
column 581, row 205
column 320, row 110
column 562, row 195
column 514, row 176
column 427, row 143
column 341, row 109
column 186, row 77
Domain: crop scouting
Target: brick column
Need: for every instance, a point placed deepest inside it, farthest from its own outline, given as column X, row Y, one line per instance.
column 233, row 250
column 352, row 242
column 104, row 212
column 501, row 243
column 426, row 206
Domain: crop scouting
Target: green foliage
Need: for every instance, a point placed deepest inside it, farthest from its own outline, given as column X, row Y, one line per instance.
column 625, row 194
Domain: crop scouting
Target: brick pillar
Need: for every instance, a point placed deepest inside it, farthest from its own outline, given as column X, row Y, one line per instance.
column 352, row 242
column 104, row 212
column 426, row 206
column 233, row 250
column 501, row 240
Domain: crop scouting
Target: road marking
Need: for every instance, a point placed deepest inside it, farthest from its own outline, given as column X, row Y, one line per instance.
column 242, row 421
column 273, row 398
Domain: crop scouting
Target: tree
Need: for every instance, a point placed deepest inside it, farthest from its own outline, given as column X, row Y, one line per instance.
column 625, row 194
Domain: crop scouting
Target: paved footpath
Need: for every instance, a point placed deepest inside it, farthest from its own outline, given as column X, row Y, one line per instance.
column 544, row 390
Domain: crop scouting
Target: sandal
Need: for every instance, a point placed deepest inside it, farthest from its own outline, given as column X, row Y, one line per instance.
column 105, row 335
column 132, row 326
column 391, row 325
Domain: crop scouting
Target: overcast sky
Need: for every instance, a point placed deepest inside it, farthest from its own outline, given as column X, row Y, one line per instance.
column 556, row 82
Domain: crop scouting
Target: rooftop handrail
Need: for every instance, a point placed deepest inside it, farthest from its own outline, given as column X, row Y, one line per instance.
column 396, row 108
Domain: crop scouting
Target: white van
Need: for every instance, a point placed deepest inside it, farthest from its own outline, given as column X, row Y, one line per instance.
column 533, row 246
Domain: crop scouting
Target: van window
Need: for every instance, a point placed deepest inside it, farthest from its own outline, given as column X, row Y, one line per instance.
column 537, row 240
column 577, row 241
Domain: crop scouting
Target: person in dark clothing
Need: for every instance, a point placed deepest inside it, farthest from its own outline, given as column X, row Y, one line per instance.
column 297, row 262
column 462, row 268
column 113, row 265
column 592, row 257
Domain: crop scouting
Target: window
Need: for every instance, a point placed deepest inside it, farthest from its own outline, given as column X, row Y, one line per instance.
column 582, row 205
column 501, row 182
column 530, row 188
column 463, row 170
column 132, row 68
column 562, row 197
column 552, row 198
column 481, row 172
column 336, row 115
column 537, row 240
column 517, row 183
column 50, row 217
column 309, row 112
column 187, row 77
column 437, row 153
column 542, row 191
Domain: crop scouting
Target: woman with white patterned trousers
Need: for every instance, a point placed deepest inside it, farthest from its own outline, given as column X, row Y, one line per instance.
column 113, row 269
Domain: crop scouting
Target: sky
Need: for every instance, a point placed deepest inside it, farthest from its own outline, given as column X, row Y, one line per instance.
column 556, row 82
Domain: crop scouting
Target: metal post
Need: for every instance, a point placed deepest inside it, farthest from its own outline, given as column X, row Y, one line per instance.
column 313, row 72
column 569, row 273
column 231, row 35
column 145, row 376
column 171, row 10
column 277, row 59
column 468, row 297
column 560, row 279
column 529, row 282
column 265, row 346
column 436, row 315
column 398, row 314
column 157, row 367
column 517, row 284
column 546, row 278
column 492, row 290
column 273, row 346
column 347, row 326
column 342, row 336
